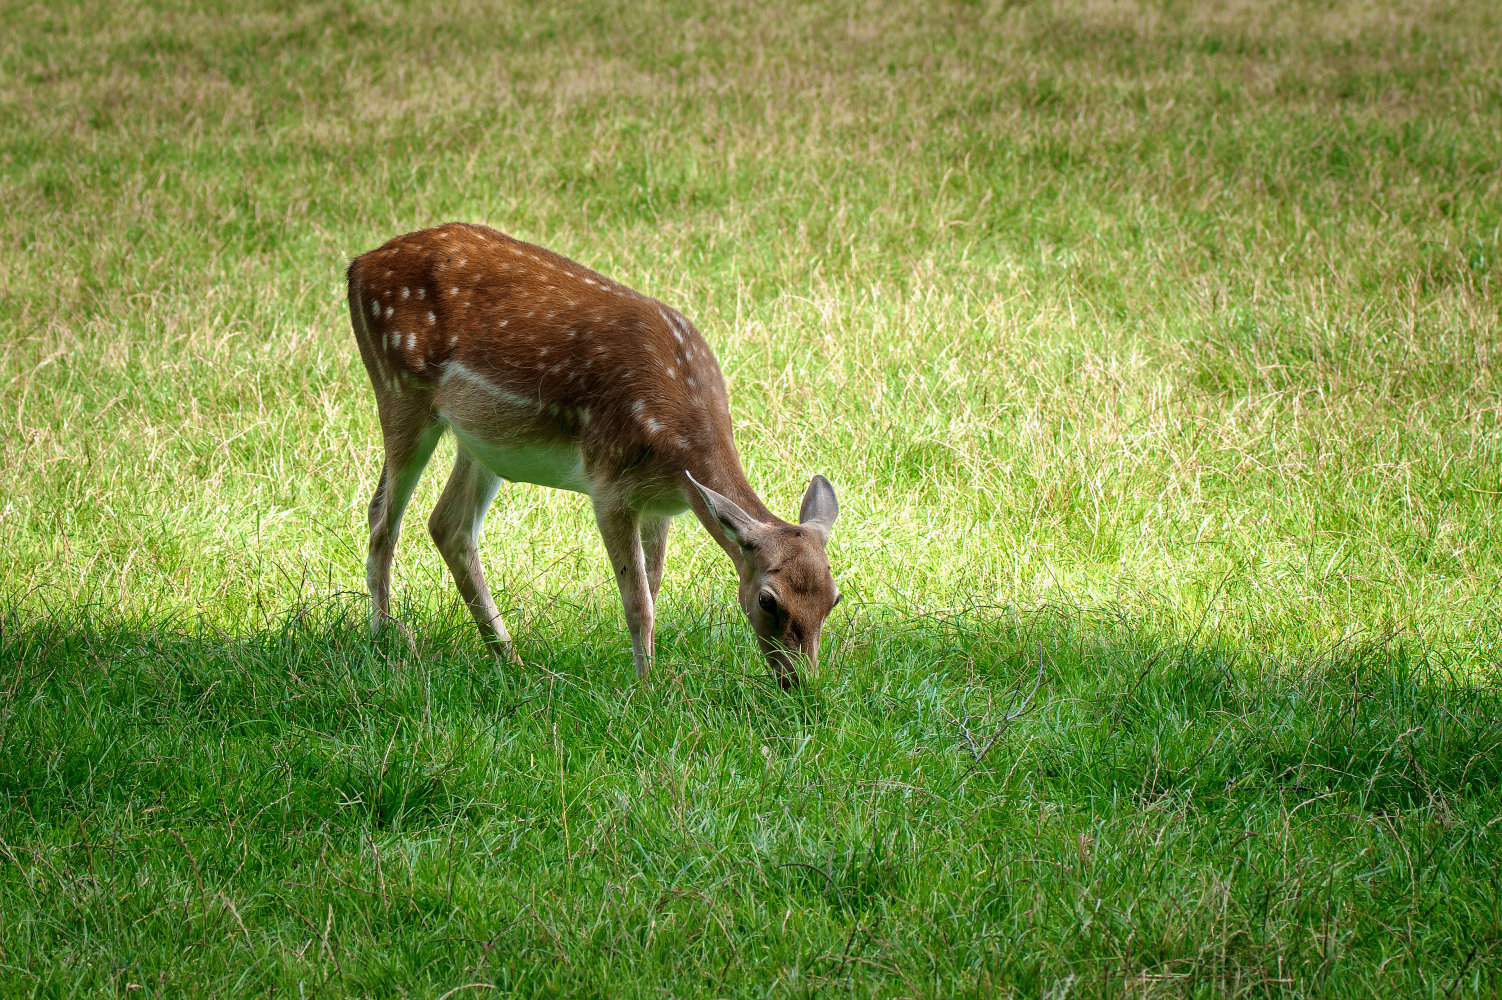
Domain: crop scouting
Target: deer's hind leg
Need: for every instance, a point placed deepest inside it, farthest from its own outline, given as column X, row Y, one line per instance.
column 410, row 439
column 455, row 526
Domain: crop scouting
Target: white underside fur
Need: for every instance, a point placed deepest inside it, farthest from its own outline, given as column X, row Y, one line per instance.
column 559, row 466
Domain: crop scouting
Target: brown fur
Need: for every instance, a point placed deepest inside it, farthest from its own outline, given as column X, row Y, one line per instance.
column 548, row 372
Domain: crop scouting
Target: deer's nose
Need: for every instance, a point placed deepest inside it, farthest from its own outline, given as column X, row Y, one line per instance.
column 789, row 665
column 782, row 660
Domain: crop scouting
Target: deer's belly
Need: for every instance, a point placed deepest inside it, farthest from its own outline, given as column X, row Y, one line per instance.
column 560, row 466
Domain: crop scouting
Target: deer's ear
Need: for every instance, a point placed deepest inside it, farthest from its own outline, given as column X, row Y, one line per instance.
column 739, row 526
column 819, row 507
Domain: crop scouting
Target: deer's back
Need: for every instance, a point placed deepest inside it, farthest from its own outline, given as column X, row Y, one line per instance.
column 523, row 349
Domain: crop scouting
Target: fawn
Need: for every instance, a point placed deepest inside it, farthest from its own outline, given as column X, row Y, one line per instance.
column 549, row 373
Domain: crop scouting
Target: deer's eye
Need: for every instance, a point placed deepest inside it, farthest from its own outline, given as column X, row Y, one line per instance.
column 768, row 602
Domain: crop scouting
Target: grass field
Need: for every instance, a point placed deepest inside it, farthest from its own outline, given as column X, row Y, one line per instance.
column 1153, row 350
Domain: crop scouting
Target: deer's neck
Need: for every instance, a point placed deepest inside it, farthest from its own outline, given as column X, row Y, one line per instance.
column 720, row 469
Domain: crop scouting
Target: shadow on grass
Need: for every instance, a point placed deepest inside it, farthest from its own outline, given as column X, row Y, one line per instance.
column 98, row 706
column 1095, row 795
column 310, row 713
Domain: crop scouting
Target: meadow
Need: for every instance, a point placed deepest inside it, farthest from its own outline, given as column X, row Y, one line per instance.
column 1152, row 347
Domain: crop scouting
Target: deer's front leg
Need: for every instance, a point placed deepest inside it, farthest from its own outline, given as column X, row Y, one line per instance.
column 618, row 528
column 654, row 543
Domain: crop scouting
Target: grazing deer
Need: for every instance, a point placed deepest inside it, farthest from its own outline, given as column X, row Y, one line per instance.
column 549, row 373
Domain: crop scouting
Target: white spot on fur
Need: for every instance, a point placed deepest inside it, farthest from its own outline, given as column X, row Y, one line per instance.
column 653, row 425
column 504, row 322
column 454, row 291
column 453, row 339
column 405, row 292
column 680, row 441
column 637, row 406
column 461, row 262
column 542, row 352
column 375, row 308
column 389, row 311
column 396, row 339
column 411, row 341
column 432, row 318
column 422, row 293
column 670, row 373
column 691, row 383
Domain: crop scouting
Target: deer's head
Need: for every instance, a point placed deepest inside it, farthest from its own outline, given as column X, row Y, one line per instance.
column 786, row 589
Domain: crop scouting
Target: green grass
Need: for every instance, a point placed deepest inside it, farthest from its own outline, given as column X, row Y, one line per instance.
column 1153, row 350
